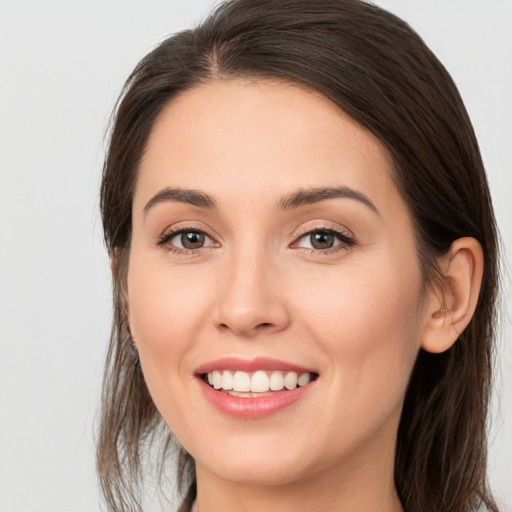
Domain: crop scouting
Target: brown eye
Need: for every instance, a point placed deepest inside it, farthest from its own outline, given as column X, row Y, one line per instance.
column 183, row 240
column 321, row 240
column 324, row 240
column 192, row 239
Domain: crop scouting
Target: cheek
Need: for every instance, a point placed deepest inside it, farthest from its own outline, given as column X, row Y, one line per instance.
column 166, row 315
column 368, row 322
column 163, row 305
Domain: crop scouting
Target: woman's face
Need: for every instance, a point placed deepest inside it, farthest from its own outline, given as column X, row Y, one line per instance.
column 268, row 241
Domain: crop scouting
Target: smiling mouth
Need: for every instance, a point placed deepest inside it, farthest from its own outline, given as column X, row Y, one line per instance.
column 256, row 384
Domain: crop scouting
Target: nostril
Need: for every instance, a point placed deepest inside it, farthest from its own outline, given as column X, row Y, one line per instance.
column 262, row 326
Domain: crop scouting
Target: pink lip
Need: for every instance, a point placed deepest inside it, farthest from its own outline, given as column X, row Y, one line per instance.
column 245, row 365
column 252, row 408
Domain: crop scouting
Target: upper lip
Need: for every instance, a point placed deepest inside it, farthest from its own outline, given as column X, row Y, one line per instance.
column 250, row 365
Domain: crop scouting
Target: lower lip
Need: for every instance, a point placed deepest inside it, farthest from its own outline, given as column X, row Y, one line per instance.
column 252, row 408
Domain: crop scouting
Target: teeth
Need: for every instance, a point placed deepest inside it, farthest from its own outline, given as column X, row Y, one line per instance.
column 257, row 382
column 227, row 380
column 217, row 380
column 290, row 381
column 276, row 381
column 241, row 382
column 303, row 379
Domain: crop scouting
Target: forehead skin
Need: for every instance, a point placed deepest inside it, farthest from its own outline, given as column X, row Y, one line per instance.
column 183, row 133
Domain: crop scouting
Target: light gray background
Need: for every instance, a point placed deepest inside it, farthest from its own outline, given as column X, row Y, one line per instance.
column 62, row 64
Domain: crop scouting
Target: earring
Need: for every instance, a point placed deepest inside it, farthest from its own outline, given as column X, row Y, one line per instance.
column 443, row 310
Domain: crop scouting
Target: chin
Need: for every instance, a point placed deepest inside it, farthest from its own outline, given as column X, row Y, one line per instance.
column 256, row 471
column 261, row 461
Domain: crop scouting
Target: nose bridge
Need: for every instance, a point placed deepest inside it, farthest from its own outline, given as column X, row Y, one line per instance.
column 250, row 299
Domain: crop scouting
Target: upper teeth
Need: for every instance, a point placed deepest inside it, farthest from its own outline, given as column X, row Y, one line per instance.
column 257, row 382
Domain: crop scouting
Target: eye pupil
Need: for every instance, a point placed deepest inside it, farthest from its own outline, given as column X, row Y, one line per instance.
column 322, row 240
column 192, row 239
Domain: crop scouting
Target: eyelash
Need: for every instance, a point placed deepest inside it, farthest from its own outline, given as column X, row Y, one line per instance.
column 345, row 240
column 164, row 240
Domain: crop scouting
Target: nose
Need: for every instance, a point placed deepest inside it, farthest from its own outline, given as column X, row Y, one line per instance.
column 251, row 299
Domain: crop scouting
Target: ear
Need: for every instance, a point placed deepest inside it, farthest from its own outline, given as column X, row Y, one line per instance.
column 452, row 303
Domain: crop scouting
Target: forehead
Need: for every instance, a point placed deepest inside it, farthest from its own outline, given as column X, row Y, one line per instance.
column 241, row 137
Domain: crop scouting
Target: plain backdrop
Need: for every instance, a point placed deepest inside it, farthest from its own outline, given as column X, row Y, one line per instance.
column 62, row 64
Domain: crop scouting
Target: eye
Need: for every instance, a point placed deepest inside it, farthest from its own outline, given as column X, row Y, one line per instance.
column 185, row 239
column 324, row 239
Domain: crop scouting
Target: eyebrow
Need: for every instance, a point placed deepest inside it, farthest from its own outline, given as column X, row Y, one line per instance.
column 181, row 195
column 314, row 195
column 301, row 197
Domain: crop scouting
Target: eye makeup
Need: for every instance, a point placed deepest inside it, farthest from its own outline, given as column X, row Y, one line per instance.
column 192, row 236
column 322, row 240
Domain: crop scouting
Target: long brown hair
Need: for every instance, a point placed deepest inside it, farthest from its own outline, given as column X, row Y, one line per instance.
column 376, row 68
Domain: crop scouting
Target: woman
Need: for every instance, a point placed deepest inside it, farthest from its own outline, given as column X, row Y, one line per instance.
column 304, row 259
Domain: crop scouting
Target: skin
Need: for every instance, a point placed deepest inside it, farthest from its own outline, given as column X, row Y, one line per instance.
column 356, row 314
